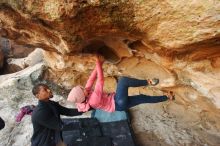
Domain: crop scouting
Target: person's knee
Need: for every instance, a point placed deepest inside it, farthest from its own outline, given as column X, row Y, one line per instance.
column 121, row 102
column 121, row 105
column 123, row 80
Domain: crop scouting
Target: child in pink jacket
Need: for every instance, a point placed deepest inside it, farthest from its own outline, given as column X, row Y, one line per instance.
column 86, row 98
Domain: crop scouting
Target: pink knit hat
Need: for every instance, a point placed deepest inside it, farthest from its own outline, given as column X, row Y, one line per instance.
column 76, row 95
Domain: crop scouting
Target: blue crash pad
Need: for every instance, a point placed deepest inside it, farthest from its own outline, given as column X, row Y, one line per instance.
column 103, row 116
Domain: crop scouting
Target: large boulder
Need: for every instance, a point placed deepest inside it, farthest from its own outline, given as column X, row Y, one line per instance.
column 17, row 64
column 15, row 92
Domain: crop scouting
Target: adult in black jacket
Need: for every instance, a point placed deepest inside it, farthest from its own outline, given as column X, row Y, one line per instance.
column 46, row 120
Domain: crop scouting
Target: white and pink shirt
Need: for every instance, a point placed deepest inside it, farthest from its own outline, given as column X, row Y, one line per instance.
column 97, row 98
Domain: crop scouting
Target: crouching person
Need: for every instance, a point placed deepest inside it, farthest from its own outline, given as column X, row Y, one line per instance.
column 47, row 125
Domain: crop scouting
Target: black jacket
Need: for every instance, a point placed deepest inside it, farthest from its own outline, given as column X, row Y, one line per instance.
column 47, row 124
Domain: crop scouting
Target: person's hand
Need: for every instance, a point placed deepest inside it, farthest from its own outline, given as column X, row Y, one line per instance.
column 100, row 58
column 170, row 95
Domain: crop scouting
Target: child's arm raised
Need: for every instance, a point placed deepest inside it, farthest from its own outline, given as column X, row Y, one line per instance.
column 98, row 91
column 91, row 80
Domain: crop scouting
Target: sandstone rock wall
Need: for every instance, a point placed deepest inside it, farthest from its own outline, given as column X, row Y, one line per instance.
column 67, row 26
column 176, row 41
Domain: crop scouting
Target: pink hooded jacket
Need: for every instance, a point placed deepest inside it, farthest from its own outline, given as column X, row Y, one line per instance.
column 97, row 99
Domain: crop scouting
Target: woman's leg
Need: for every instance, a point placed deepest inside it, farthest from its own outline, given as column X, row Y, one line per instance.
column 121, row 97
column 123, row 101
column 139, row 99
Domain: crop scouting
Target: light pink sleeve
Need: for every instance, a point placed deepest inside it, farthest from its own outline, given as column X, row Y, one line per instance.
column 99, row 84
column 83, row 107
column 91, row 80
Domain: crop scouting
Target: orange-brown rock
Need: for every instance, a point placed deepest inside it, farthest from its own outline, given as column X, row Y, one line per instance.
column 68, row 26
column 176, row 41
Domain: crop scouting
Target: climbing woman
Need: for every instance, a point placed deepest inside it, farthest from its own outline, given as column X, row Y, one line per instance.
column 86, row 97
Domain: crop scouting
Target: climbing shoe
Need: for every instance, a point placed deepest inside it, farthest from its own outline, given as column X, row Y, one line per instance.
column 153, row 82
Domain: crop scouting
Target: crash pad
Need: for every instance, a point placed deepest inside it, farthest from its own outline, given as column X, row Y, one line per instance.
column 103, row 116
column 91, row 132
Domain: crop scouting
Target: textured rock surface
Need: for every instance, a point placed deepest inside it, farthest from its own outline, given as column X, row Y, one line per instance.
column 176, row 41
column 13, row 50
column 13, row 56
column 15, row 93
column 1, row 58
column 67, row 26
column 17, row 64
